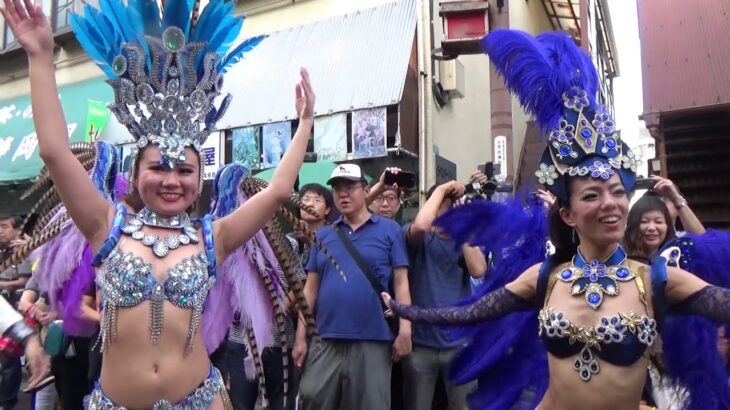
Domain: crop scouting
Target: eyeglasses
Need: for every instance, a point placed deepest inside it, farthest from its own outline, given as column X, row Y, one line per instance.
column 389, row 198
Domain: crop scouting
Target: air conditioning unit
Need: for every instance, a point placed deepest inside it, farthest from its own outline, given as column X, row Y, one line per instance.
column 451, row 77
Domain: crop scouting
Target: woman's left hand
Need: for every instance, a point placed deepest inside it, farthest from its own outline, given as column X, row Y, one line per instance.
column 304, row 101
column 667, row 189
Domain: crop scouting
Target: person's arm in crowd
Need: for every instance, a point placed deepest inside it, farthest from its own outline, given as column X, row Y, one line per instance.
column 403, row 345
column 27, row 300
column 13, row 327
column 15, row 283
column 88, row 310
column 380, row 186
column 670, row 192
column 476, row 262
column 311, row 290
column 424, row 220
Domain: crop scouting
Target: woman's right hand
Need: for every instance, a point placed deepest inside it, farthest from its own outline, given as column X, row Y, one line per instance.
column 30, row 26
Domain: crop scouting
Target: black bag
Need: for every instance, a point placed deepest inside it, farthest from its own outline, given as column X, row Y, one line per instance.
column 393, row 321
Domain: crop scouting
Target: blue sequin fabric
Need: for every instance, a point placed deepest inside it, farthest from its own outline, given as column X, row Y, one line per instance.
column 200, row 399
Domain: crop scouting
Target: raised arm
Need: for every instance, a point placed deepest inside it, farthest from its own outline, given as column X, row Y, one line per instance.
column 670, row 192
column 424, row 220
column 88, row 209
column 238, row 227
column 380, row 186
column 513, row 297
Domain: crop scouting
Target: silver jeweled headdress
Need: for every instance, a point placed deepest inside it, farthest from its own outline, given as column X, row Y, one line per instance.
column 166, row 69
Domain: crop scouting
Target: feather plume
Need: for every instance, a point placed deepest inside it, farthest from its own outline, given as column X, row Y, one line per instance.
column 689, row 342
column 505, row 356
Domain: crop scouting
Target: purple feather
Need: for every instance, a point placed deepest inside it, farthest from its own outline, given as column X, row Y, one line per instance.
column 61, row 256
column 71, row 297
column 239, row 288
column 120, row 187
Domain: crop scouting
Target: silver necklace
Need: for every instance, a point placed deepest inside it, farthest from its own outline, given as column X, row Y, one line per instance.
column 160, row 245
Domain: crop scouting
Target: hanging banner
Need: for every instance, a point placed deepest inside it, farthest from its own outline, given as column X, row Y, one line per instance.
column 277, row 137
column 368, row 133
column 245, row 145
column 330, row 137
column 96, row 119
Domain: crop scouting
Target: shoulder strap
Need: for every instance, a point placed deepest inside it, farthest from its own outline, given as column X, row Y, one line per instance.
column 658, row 290
column 120, row 216
column 207, row 223
column 377, row 287
column 542, row 282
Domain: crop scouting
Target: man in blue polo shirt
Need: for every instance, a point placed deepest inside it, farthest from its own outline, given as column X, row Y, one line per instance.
column 350, row 368
column 439, row 276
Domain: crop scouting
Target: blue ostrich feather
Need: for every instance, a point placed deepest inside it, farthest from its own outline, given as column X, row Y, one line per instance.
column 540, row 69
column 690, row 342
column 102, row 32
column 225, row 189
column 506, row 355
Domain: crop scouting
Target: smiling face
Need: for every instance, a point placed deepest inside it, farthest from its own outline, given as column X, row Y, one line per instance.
column 164, row 190
column 653, row 229
column 597, row 210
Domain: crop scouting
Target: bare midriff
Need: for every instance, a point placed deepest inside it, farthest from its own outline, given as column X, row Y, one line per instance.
column 137, row 374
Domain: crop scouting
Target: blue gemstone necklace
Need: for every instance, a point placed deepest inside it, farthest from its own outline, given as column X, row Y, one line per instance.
column 595, row 279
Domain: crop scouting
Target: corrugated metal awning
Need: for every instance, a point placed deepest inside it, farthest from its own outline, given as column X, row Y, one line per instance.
column 355, row 61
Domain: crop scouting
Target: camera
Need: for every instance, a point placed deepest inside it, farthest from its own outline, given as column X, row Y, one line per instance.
column 486, row 190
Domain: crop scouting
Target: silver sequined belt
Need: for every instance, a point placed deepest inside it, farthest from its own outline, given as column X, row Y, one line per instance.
column 198, row 399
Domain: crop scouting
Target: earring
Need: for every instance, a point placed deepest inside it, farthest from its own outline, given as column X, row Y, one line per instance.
column 574, row 238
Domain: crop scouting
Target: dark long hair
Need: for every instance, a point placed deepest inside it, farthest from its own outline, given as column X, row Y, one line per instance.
column 561, row 235
column 632, row 238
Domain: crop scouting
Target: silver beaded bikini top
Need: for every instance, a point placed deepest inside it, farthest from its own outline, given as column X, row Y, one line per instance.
column 126, row 280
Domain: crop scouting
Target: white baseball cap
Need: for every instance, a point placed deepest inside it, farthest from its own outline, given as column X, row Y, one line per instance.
column 351, row 172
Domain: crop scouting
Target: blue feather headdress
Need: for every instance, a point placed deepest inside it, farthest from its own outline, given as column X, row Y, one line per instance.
column 557, row 83
column 166, row 68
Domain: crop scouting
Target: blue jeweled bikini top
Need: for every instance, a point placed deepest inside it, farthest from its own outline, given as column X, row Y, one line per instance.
column 621, row 339
column 127, row 281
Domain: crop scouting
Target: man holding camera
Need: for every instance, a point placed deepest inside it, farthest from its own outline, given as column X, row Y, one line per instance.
column 439, row 275
column 351, row 366
column 384, row 198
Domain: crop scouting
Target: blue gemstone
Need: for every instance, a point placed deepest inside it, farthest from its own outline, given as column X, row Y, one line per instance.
column 619, row 328
column 622, row 273
column 588, row 143
column 601, row 274
column 674, row 253
column 565, row 150
column 594, row 298
column 614, row 320
column 611, row 143
column 585, row 133
column 594, row 278
column 566, row 273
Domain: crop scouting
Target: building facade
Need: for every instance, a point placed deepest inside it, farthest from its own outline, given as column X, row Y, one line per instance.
column 444, row 119
column 686, row 87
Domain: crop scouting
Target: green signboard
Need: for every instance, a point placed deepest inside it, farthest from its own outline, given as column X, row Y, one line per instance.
column 96, row 119
column 19, row 159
